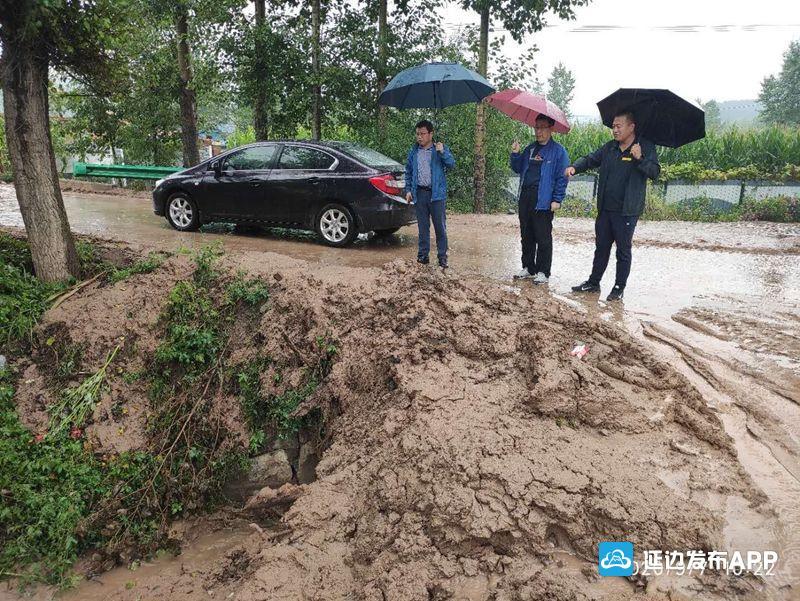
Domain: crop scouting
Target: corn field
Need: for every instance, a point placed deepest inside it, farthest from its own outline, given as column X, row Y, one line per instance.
column 768, row 148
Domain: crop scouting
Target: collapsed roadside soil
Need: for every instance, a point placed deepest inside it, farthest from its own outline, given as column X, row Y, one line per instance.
column 467, row 453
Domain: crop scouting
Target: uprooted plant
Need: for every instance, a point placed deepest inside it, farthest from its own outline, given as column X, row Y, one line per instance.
column 70, row 411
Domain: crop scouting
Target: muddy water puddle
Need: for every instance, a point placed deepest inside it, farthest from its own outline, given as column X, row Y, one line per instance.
column 197, row 573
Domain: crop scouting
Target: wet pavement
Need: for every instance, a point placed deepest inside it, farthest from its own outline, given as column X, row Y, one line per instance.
column 721, row 302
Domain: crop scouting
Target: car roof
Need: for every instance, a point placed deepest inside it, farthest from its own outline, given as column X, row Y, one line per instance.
column 324, row 143
column 329, row 145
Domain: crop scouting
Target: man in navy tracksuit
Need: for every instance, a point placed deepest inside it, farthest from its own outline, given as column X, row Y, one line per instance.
column 426, row 186
column 625, row 164
column 542, row 187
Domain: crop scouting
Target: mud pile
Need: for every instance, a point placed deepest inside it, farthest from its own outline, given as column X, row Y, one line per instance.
column 473, row 457
column 467, row 454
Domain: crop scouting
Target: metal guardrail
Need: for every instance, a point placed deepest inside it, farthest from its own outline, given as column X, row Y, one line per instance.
column 127, row 171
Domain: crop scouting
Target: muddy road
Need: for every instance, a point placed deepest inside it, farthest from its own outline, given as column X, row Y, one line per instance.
column 675, row 263
column 718, row 303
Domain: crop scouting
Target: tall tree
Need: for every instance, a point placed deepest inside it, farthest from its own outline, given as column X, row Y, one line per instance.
column 267, row 65
column 381, row 71
column 479, row 176
column 260, row 109
column 316, row 88
column 519, row 18
column 561, row 87
column 781, row 95
column 35, row 36
column 191, row 154
column 711, row 108
column 353, row 70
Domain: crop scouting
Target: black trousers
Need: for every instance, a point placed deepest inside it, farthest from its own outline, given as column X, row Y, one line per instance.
column 613, row 228
column 536, row 233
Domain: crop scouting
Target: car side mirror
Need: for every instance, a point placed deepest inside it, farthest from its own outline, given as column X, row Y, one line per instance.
column 215, row 167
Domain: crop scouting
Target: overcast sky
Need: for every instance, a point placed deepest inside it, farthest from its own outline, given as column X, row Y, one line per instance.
column 719, row 49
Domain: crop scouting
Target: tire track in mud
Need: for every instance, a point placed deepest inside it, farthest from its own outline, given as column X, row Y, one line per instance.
column 759, row 419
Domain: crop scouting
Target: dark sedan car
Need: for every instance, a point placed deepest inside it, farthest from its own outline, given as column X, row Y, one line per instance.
column 337, row 189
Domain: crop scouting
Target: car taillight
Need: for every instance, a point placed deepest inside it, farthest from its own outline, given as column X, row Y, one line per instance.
column 387, row 184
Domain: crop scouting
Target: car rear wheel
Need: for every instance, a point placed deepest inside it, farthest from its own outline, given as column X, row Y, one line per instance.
column 182, row 213
column 389, row 232
column 336, row 225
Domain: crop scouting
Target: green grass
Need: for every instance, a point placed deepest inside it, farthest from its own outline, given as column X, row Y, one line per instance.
column 23, row 298
column 153, row 261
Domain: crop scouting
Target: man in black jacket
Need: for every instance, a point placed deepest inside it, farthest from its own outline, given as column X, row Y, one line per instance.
column 625, row 164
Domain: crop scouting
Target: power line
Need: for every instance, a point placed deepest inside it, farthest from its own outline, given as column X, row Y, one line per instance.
column 718, row 28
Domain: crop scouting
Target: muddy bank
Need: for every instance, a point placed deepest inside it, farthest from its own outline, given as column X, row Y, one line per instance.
column 469, row 450
column 466, row 454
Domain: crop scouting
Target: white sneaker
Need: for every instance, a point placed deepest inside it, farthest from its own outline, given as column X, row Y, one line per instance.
column 540, row 278
column 522, row 274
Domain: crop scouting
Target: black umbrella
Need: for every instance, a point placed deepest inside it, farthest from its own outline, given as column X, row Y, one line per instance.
column 662, row 116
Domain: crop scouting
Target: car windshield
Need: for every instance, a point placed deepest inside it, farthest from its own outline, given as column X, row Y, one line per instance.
column 369, row 157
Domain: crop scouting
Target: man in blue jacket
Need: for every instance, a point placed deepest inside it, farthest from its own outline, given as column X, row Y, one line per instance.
column 625, row 163
column 542, row 187
column 426, row 186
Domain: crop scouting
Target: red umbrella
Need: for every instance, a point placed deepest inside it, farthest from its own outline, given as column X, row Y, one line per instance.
column 525, row 107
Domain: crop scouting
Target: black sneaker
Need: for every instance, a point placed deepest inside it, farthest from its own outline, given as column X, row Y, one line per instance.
column 615, row 294
column 443, row 263
column 423, row 260
column 587, row 286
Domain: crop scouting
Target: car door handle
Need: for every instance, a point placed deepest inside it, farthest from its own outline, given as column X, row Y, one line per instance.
column 313, row 180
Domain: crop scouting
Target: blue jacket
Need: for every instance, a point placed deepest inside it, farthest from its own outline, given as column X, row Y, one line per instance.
column 440, row 163
column 552, row 181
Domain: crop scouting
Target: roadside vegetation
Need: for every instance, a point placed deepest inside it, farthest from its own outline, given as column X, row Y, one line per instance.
column 58, row 497
column 781, row 209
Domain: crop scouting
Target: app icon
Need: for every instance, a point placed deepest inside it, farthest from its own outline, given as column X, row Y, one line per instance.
column 615, row 559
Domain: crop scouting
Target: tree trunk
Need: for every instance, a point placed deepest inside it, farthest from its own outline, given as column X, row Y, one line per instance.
column 478, row 204
column 316, row 94
column 191, row 154
column 30, row 148
column 260, row 112
column 382, row 79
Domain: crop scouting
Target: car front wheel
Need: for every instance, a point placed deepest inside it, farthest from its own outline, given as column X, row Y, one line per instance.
column 182, row 213
column 336, row 225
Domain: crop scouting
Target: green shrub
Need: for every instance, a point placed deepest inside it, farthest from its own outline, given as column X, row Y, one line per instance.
column 48, row 486
column 23, row 298
column 153, row 261
column 782, row 209
column 251, row 291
